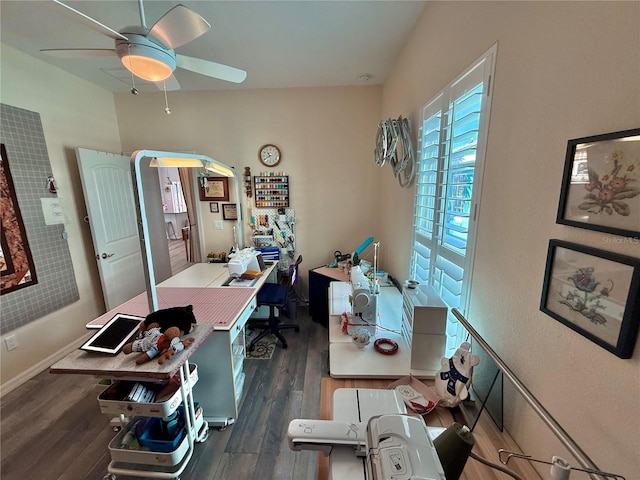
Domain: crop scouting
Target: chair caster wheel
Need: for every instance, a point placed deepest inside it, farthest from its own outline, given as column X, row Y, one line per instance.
column 109, row 476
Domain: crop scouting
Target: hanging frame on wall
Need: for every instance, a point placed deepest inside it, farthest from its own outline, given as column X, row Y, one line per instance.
column 16, row 263
column 595, row 293
column 601, row 183
column 214, row 189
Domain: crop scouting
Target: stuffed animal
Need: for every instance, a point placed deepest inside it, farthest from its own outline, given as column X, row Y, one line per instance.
column 155, row 343
column 160, row 334
column 454, row 377
column 181, row 317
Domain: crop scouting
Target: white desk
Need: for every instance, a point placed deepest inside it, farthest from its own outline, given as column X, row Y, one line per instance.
column 218, row 350
column 221, row 356
column 348, row 361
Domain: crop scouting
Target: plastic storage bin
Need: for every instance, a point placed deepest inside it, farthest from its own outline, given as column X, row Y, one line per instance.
column 146, row 457
column 118, row 405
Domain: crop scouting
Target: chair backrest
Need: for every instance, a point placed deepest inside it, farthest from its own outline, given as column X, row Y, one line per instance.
column 293, row 272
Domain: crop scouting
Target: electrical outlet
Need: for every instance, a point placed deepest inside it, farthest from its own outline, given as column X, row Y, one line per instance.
column 217, row 224
column 12, row 342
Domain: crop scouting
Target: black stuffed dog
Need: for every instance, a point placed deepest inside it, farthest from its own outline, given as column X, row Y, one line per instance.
column 181, row 317
column 160, row 334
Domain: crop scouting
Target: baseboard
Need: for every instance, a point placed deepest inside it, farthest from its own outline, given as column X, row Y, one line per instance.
column 34, row 370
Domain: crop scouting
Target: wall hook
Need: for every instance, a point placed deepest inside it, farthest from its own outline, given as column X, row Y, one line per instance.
column 51, row 184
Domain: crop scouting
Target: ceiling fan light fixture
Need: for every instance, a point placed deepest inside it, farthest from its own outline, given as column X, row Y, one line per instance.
column 145, row 59
column 147, row 68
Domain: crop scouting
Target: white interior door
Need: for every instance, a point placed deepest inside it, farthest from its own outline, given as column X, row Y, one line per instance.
column 108, row 193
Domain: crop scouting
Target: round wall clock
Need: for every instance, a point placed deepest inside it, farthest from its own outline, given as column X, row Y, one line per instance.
column 269, row 155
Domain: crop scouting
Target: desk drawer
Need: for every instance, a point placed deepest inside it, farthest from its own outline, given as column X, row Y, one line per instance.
column 242, row 319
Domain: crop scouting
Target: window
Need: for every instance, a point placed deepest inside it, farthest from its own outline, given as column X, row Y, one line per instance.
column 452, row 143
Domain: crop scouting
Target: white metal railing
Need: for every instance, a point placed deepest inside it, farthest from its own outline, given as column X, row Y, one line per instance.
column 547, row 418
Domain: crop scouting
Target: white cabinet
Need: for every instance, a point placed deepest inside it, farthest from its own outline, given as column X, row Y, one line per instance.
column 175, row 209
column 220, row 360
column 173, row 198
column 424, row 322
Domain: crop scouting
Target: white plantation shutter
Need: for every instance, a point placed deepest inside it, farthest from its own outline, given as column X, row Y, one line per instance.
column 452, row 142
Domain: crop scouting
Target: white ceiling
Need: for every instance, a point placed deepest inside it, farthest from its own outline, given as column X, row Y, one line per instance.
column 278, row 43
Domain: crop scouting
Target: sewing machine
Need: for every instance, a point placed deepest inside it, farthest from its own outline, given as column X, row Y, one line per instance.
column 364, row 303
column 371, row 424
column 247, row 259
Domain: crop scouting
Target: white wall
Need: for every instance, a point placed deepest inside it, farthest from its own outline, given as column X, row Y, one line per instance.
column 74, row 114
column 326, row 136
column 564, row 70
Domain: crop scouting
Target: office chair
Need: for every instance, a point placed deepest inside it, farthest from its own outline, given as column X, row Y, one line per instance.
column 277, row 295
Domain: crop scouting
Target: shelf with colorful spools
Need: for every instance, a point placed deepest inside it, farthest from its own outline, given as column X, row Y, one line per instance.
column 271, row 191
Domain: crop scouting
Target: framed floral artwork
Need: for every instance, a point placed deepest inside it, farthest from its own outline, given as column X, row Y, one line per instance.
column 595, row 293
column 601, row 183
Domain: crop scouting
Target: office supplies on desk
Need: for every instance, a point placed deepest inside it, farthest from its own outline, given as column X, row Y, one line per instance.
column 114, row 334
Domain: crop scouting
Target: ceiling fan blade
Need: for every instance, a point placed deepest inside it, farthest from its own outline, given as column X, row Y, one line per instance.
column 179, row 26
column 79, row 52
column 96, row 25
column 170, row 84
column 211, row 69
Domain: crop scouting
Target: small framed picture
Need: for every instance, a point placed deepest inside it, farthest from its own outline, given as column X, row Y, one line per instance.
column 595, row 293
column 213, row 207
column 601, row 183
column 229, row 211
column 214, row 188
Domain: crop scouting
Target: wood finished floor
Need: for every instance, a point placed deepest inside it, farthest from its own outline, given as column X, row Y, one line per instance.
column 52, row 429
column 178, row 256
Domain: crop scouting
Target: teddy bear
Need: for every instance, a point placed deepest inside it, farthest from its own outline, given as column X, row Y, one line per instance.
column 160, row 334
column 454, row 377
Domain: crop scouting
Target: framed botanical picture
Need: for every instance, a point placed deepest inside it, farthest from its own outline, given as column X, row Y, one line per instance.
column 214, row 207
column 214, row 189
column 595, row 293
column 229, row 211
column 601, row 183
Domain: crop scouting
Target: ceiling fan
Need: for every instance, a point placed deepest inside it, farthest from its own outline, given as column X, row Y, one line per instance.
column 148, row 52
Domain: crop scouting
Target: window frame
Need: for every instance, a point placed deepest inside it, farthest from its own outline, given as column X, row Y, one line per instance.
column 438, row 186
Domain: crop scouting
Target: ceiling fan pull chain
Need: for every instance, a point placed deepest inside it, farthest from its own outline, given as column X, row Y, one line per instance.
column 134, row 90
column 167, row 110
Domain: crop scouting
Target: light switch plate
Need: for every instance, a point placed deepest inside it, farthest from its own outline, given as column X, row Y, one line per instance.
column 217, row 224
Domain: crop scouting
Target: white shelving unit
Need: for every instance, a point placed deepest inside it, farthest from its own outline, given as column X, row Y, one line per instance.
column 149, row 463
column 424, row 321
column 221, row 360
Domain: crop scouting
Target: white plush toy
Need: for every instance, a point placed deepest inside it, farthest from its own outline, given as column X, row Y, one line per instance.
column 454, row 377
